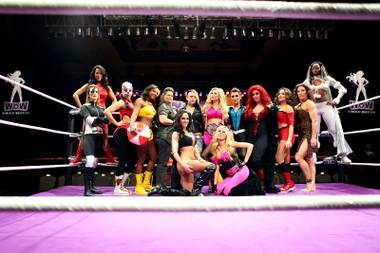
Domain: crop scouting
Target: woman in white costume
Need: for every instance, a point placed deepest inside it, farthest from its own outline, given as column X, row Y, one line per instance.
column 319, row 82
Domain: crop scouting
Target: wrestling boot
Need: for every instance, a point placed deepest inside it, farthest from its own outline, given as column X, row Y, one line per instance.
column 87, row 181
column 140, row 190
column 92, row 183
column 212, row 188
column 109, row 157
column 119, row 185
column 289, row 185
column 147, row 183
column 203, row 179
column 78, row 154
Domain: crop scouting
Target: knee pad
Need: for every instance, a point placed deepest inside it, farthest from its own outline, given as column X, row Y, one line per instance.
column 210, row 168
column 91, row 161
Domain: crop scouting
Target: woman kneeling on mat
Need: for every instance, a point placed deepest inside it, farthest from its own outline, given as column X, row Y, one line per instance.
column 237, row 178
column 187, row 156
column 93, row 116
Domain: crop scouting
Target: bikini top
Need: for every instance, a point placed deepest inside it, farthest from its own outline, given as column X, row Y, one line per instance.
column 126, row 109
column 285, row 118
column 185, row 141
column 147, row 111
column 214, row 113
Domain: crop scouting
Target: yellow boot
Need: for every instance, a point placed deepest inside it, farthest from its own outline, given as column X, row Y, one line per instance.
column 147, row 181
column 140, row 190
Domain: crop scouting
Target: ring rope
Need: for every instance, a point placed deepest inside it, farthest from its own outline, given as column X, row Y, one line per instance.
column 36, row 92
column 10, row 123
column 362, row 131
column 359, row 102
column 217, row 8
column 172, row 204
column 366, row 164
column 38, row 167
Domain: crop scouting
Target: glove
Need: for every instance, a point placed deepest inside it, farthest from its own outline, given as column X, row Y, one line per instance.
column 100, row 120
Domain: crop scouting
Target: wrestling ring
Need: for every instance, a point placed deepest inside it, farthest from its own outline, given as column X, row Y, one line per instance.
column 337, row 218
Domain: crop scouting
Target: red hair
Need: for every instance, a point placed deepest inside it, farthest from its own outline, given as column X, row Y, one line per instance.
column 265, row 100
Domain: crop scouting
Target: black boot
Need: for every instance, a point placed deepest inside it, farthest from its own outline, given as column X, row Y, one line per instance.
column 212, row 188
column 87, row 181
column 92, row 182
column 203, row 179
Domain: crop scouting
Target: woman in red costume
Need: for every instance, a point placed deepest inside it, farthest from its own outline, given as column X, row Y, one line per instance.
column 285, row 123
column 125, row 149
column 261, row 119
column 145, row 112
column 99, row 77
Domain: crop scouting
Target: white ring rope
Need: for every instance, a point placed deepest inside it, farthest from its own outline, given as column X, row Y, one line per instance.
column 37, row 92
column 10, row 123
column 359, row 102
column 259, row 9
column 38, row 167
column 171, row 204
column 362, row 131
column 366, row 164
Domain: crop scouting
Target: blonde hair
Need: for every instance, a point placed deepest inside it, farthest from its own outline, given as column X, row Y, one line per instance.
column 228, row 143
column 222, row 102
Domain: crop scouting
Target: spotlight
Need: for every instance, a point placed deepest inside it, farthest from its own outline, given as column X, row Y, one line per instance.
column 291, row 34
column 234, row 32
column 109, row 32
column 146, row 31
column 270, row 33
column 128, row 31
column 300, row 34
column 168, row 31
column 212, row 36
column 243, row 32
column 155, row 31
column 186, row 35
column 195, row 33
column 138, row 31
column 225, row 34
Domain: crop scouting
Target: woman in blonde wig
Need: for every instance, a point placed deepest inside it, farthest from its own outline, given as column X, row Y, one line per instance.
column 237, row 178
column 215, row 113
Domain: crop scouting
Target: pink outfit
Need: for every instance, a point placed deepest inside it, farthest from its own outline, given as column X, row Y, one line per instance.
column 241, row 174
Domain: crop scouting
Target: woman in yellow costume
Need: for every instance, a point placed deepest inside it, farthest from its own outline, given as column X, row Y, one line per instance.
column 144, row 112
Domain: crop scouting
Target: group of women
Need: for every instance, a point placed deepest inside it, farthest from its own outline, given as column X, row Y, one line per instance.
column 224, row 147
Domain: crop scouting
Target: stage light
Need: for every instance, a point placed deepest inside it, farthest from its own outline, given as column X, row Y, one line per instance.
column 186, row 35
column 243, row 32
column 138, row 31
column 225, row 34
column 212, row 36
column 300, row 34
column 234, row 32
column 195, row 33
column 155, row 31
column 168, row 31
column 270, row 33
column 110, row 31
column 146, row 31
column 291, row 34
column 129, row 31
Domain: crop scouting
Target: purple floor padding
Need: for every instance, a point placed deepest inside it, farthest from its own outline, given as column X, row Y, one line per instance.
column 332, row 231
column 322, row 189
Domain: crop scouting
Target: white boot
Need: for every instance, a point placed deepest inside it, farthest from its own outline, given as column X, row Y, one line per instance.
column 119, row 185
column 346, row 160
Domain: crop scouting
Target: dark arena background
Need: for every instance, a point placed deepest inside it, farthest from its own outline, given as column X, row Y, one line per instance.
column 55, row 50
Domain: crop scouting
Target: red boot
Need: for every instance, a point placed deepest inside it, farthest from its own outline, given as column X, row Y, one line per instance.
column 289, row 185
column 78, row 155
column 260, row 174
column 109, row 157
